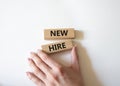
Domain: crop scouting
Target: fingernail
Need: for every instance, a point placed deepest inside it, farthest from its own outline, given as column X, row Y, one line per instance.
column 31, row 53
column 28, row 74
column 29, row 59
column 38, row 50
column 75, row 46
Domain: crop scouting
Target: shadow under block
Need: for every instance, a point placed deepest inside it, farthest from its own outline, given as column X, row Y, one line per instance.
column 57, row 46
column 59, row 33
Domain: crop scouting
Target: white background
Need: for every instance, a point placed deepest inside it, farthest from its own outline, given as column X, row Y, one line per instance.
column 21, row 31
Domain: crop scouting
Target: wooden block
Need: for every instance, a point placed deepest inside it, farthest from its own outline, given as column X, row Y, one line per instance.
column 57, row 46
column 59, row 33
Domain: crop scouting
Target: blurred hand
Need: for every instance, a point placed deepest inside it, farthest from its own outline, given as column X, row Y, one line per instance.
column 47, row 72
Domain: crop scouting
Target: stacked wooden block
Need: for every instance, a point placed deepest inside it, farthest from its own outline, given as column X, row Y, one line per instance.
column 55, row 34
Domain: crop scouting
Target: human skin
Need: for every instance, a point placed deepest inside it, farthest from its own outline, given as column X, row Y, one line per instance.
column 48, row 72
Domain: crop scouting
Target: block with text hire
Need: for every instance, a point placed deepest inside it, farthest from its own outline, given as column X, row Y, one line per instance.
column 59, row 33
column 57, row 46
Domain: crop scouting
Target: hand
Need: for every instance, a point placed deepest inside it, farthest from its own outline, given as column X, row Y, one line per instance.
column 47, row 72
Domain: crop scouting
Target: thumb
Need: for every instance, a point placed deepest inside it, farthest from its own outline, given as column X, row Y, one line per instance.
column 75, row 59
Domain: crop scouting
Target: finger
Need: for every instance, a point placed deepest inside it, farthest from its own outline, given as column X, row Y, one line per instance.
column 36, row 70
column 35, row 79
column 49, row 61
column 75, row 59
column 39, row 63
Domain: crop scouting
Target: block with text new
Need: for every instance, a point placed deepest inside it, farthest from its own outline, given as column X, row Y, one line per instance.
column 59, row 33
